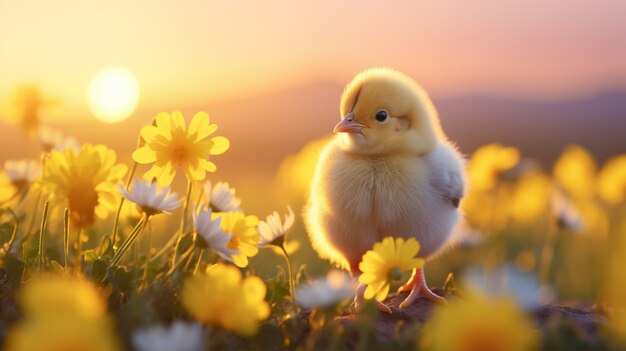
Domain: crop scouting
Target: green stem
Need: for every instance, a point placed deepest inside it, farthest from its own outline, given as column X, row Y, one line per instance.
column 182, row 259
column 183, row 223
column 146, row 265
column 165, row 247
column 547, row 254
column 130, row 239
column 32, row 219
column 14, row 234
column 79, row 251
column 190, row 258
column 197, row 266
column 119, row 208
column 42, row 236
column 66, row 235
column 292, row 289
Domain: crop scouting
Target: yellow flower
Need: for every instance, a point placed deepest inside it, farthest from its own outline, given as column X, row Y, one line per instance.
column 295, row 174
column 483, row 211
column 488, row 163
column 221, row 298
column 7, row 188
column 531, row 197
column 478, row 324
column 386, row 256
column 87, row 179
column 62, row 313
column 63, row 334
column 614, row 289
column 612, row 180
column 575, row 171
column 170, row 145
column 49, row 296
column 244, row 235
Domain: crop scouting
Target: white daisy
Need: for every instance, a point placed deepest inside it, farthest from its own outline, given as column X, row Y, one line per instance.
column 214, row 236
column 221, row 197
column 272, row 231
column 567, row 216
column 22, row 172
column 506, row 281
column 53, row 139
column 150, row 198
column 178, row 336
column 332, row 289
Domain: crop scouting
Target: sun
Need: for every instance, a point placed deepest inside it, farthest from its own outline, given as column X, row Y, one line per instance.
column 113, row 94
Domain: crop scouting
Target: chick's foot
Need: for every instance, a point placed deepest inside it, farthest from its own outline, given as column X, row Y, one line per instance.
column 418, row 289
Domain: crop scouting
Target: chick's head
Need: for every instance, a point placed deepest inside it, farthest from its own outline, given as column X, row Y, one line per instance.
column 386, row 112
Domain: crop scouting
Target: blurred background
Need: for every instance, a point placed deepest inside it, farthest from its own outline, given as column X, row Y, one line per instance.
column 533, row 75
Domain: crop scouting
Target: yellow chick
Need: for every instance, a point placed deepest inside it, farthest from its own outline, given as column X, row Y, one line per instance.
column 389, row 171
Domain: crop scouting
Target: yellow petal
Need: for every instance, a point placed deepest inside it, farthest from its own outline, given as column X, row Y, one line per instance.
column 220, row 145
column 200, row 126
column 163, row 121
column 178, row 121
column 144, row 155
column 382, row 293
column 163, row 174
column 149, row 132
column 410, row 248
column 240, row 261
column 254, row 289
column 251, row 221
column 118, row 171
column 367, row 278
column 248, row 250
column 370, row 292
column 167, row 175
column 195, row 172
column 207, row 165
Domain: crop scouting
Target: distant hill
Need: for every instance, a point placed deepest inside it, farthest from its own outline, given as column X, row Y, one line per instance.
column 265, row 129
column 539, row 128
column 286, row 121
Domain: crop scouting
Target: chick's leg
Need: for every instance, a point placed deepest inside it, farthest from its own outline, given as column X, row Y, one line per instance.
column 359, row 297
column 418, row 288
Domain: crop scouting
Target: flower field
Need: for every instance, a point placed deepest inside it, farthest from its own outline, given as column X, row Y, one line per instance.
column 71, row 280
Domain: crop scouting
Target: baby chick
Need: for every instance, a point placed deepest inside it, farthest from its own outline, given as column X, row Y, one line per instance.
column 389, row 171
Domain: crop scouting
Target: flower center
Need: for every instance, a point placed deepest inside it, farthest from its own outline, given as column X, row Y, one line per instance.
column 484, row 340
column 70, row 345
column 233, row 244
column 83, row 200
column 179, row 154
column 180, row 150
column 394, row 274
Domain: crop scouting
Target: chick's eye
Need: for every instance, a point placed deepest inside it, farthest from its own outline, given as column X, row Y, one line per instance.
column 381, row 116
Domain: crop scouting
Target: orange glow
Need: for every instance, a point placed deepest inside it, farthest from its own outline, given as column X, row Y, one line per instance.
column 205, row 52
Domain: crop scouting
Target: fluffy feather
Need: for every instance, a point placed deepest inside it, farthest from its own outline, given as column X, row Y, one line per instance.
column 400, row 177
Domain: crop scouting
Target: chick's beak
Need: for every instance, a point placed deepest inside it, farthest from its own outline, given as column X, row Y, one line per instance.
column 348, row 125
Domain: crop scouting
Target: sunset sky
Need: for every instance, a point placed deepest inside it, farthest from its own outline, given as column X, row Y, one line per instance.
column 197, row 52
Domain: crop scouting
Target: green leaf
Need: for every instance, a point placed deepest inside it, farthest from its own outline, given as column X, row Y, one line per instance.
column 277, row 291
column 56, row 267
column 121, row 279
column 91, row 256
column 105, row 249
